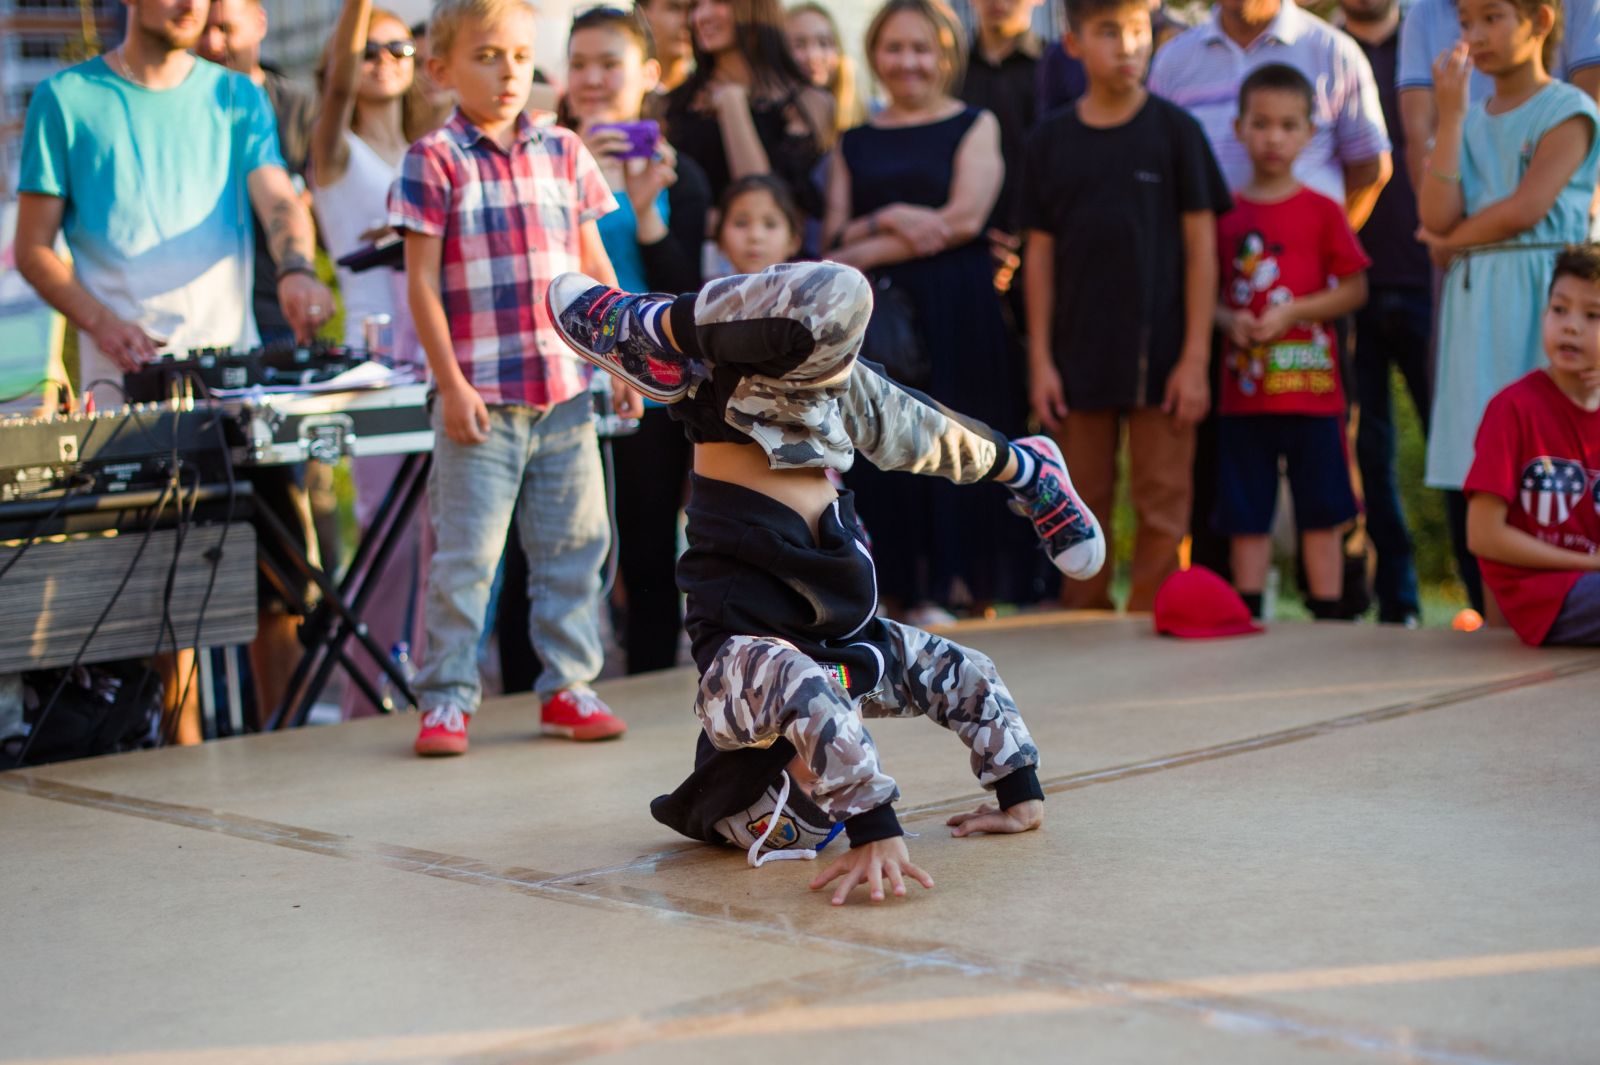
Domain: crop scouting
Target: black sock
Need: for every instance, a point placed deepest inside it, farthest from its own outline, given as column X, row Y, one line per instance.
column 1326, row 609
column 1252, row 600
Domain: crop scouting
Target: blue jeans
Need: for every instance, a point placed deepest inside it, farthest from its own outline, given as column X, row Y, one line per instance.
column 550, row 456
column 1392, row 330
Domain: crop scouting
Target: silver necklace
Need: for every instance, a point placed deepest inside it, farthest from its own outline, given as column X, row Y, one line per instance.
column 122, row 67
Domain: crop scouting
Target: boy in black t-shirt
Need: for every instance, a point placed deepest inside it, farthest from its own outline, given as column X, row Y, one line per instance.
column 1119, row 327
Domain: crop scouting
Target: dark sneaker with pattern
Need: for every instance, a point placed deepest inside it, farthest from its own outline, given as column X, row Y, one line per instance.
column 1068, row 531
column 620, row 332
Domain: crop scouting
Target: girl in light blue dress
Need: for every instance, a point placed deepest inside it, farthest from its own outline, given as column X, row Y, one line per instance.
column 1508, row 184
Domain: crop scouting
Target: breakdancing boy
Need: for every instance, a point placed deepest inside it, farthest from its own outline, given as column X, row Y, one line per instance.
column 761, row 370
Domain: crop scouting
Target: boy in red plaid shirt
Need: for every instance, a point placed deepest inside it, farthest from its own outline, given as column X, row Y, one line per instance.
column 492, row 207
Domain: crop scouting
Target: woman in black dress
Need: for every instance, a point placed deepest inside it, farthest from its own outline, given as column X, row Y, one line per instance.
column 747, row 108
column 908, row 196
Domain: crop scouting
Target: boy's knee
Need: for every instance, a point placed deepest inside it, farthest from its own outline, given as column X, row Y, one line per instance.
column 728, row 705
column 842, row 292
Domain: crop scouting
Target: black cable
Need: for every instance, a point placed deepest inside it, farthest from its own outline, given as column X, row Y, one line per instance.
column 131, row 414
column 44, row 714
column 167, row 629
column 173, row 486
column 41, row 381
column 214, row 555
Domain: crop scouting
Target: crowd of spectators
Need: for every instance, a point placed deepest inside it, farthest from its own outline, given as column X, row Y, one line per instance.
column 1097, row 233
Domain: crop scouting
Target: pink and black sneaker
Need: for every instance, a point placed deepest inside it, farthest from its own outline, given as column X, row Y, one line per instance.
column 1067, row 529
column 620, row 332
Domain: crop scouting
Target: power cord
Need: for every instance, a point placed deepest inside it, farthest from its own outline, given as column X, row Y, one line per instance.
column 214, row 556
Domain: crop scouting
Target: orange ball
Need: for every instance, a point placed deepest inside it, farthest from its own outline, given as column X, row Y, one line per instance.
column 1468, row 620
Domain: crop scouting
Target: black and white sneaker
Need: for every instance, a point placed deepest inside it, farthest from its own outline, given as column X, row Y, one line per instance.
column 1067, row 529
column 620, row 332
column 779, row 824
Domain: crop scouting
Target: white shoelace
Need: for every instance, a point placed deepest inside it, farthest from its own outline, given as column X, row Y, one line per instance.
column 586, row 701
column 755, row 857
column 450, row 717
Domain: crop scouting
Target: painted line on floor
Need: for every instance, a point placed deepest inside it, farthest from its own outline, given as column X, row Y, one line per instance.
column 751, row 922
column 1262, row 695
column 1059, row 986
column 392, row 856
column 1280, row 738
column 747, row 921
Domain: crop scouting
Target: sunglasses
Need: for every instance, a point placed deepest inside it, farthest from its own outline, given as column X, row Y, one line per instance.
column 396, row 49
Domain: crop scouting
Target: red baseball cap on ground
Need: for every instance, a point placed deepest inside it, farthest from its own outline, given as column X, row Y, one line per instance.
column 1196, row 604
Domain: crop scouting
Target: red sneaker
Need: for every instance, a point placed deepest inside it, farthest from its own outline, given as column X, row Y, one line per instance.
column 444, row 731
column 578, row 714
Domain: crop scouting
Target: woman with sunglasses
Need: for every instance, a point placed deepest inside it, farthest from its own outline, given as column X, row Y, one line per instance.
column 356, row 147
column 748, row 108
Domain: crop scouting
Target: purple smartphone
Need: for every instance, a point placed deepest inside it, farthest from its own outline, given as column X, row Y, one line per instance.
column 642, row 137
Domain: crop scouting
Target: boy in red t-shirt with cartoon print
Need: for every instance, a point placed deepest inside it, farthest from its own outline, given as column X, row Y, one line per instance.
column 1280, row 396
column 1533, row 492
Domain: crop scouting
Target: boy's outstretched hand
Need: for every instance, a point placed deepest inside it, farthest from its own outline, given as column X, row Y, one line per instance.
column 870, row 864
column 1023, row 817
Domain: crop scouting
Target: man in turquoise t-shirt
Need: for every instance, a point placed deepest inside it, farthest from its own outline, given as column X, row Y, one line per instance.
column 149, row 161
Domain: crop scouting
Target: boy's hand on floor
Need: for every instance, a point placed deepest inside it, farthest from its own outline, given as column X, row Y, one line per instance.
column 870, row 864
column 466, row 418
column 1023, row 817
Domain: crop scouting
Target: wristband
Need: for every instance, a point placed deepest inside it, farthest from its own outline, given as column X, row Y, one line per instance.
column 298, row 268
column 1452, row 179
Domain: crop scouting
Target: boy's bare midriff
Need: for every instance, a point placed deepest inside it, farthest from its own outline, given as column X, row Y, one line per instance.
column 807, row 491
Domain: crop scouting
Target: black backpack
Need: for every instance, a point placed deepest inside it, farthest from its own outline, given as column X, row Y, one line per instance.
column 101, row 710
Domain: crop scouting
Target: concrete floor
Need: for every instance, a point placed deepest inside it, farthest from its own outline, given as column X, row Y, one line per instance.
column 1324, row 844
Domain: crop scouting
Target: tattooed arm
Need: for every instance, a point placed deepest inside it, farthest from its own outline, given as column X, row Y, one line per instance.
column 306, row 302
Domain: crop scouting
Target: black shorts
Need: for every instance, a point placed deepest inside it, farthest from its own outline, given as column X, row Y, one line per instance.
column 280, row 490
column 1313, row 452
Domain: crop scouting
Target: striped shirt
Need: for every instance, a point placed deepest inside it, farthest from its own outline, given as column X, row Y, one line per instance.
column 510, row 220
column 1202, row 68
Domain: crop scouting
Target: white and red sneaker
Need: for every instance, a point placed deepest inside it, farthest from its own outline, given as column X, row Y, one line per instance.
column 444, row 732
column 579, row 714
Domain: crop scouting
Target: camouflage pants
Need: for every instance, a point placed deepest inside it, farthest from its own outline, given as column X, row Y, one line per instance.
column 897, row 428
column 823, row 407
column 761, row 688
